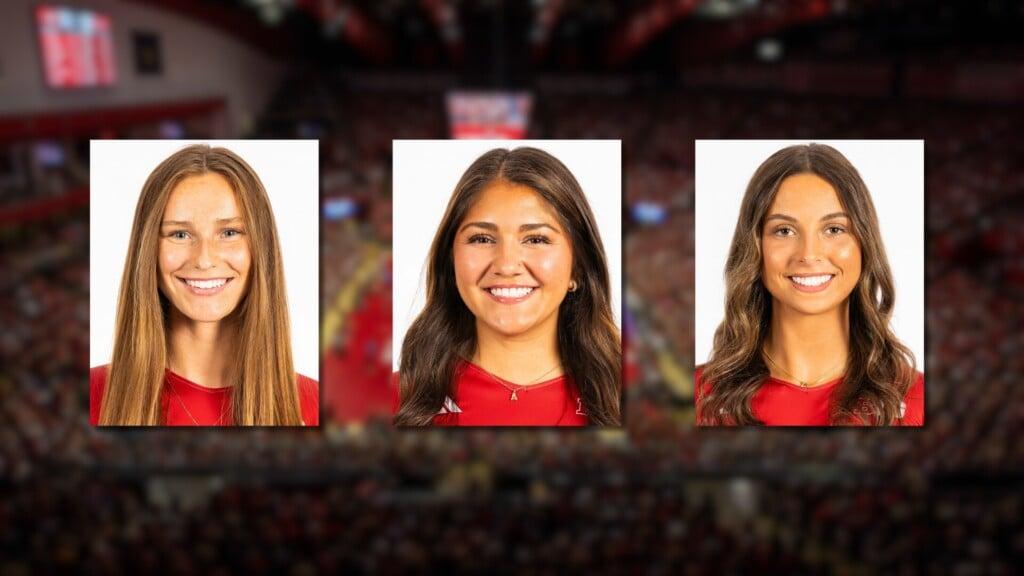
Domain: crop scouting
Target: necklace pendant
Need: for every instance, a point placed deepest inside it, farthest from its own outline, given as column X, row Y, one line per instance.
column 514, row 397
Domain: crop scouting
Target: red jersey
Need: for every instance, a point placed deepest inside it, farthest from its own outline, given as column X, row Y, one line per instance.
column 185, row 403
column 483, row 399
column 781, row 403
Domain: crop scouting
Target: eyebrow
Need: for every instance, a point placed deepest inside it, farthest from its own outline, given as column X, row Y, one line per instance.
column 524, row 228
column 189, row 222
column 789, row 218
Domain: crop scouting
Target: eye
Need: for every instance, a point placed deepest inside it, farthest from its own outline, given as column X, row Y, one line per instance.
column 834, row 230
column 784, row 231
column 480, row 239
column 232, row 233
column 537, row 239
column 178, row 235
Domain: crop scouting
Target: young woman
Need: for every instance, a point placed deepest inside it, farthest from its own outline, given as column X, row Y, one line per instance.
column 202, row 335
column 517, row 328
column 809, row 295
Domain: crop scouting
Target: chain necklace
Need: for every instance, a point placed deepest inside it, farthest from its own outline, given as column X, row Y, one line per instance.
column 514, row 388
column 181, row 402
column 803, row 383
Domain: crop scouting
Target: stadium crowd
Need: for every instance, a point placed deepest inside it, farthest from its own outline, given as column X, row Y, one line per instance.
column 359, row 496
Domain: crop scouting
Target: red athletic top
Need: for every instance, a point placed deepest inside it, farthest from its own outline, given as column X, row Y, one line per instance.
column 781, row 403
column 185, row 403
column 482, row 399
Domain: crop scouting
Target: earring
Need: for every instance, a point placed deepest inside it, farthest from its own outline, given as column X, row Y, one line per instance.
column 572, row 286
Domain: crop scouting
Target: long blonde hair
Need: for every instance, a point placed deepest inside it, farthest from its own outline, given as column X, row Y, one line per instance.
column 265, row 390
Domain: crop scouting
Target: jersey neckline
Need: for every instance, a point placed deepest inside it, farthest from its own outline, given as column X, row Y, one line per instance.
column 501, row 381
column 822, row 386
column 178, row 379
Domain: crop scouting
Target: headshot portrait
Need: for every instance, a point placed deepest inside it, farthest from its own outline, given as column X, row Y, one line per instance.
column 809, row 283
column 204, row 283
column 507, row 283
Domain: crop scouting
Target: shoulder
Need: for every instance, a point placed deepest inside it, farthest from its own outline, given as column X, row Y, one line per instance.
column 309, row 399
column 700, row 387
column 97, row 384
column 913, row 403
column 396, row 398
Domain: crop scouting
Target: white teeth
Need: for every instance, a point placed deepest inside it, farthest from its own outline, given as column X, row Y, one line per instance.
column 510, row 292
column 207, row 284
column 811, row 280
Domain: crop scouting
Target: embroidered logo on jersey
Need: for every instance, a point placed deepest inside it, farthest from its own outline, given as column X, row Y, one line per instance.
column 579, row 407
column 449, row 407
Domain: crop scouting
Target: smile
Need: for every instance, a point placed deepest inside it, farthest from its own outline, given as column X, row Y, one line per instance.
column 811, row 283
column 205, row 287
column 510, row 294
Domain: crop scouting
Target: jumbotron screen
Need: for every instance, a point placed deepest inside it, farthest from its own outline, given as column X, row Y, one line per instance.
column 498, row 115
column 77, row 47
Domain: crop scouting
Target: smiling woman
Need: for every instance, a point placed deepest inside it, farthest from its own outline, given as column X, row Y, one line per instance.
column 517, row 328
column 806, row 338
column 202, row 331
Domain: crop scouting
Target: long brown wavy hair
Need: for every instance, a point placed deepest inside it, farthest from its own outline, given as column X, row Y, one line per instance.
column 265, row 390
column 444, row 333
column 879, row 369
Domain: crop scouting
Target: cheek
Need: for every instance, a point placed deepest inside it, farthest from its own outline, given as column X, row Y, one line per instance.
column 776, row 258
column 469, row 263
column 551, row 266
column 238, row 257
column 171, row 258
column 847, row 255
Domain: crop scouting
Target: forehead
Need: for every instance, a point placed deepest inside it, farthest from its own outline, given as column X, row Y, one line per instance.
column 204, row 196
column 807, row 195
column 502, row 201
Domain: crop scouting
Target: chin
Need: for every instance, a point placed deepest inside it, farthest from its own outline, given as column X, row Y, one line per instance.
column 206, row 315
column 514, row 328
column 811, row 309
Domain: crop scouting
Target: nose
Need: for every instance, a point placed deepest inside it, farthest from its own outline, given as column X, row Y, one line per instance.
column 811, row 248
column 508, row 260
column 204, row 256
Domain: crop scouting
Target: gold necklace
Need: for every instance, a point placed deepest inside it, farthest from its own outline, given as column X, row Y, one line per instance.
column 517, row 387
column 181, row 402
column 803, row 383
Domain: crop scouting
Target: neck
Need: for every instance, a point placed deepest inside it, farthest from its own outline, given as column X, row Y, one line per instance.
column 522, row 359
column 810, row 347
column 201, row 351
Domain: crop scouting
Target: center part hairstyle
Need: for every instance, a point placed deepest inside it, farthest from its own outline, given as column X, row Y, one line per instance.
column 264, row 388
column 444, row 333
column 879, row 370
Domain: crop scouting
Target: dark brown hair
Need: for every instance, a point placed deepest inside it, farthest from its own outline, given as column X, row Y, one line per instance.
column 444, row 333
column 879, row 369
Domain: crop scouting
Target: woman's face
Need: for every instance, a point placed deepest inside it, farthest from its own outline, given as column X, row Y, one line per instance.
column 811, row 259
column 204, row 253
column 513, row 261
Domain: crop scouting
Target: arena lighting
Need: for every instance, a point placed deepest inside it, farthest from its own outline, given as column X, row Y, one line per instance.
column 722, row 9
column 769, row 50
column 646, row 212
column 339, row 208
column 271, row 11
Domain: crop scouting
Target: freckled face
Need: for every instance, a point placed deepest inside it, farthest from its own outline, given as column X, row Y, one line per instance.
column 513, row 261
column 812, row 261
column 204, row 256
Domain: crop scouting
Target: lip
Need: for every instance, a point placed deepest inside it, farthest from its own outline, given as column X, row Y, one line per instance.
column 205, row 291
column 802, row 288
column 508, row 299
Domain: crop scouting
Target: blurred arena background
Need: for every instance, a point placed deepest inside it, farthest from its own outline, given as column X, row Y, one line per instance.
column 657, row 497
